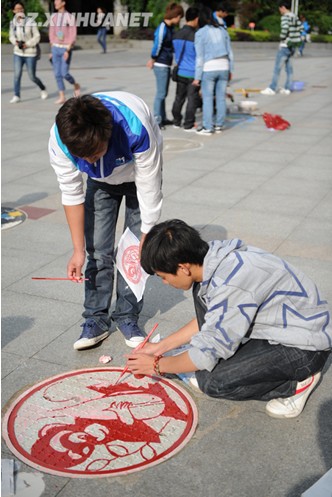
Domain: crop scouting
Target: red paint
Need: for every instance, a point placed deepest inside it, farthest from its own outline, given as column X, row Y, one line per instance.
column 80, row 424
column 131, row 264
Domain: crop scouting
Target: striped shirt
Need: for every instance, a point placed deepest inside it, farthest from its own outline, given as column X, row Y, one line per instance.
column 291, row 27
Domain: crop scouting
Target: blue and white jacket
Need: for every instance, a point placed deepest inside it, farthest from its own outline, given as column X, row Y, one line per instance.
column 246, row 289
column 162, row 50
column 184, row 42
column 212, row 43
column 134, row 155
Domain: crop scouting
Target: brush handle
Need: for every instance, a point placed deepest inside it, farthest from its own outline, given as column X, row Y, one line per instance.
column 139, row 346
column 58, row 279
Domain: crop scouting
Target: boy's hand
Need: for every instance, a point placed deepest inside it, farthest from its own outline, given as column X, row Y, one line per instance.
column 75, row 265
column 150, row 349
column 150, row 63
column 140, row 363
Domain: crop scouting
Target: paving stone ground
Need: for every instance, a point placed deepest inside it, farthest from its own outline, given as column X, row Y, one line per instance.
column 272, row 189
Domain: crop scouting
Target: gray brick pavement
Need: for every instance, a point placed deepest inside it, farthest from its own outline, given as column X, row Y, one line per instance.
column 273, row 189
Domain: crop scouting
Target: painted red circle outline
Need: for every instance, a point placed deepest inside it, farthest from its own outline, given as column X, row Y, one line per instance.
column 12, row 443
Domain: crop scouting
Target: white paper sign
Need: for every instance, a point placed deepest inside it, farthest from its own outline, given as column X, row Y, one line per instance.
column 128, row 263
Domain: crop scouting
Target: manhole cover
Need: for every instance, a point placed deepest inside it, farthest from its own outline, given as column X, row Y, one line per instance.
column 81, row 425
column 11, row 217
column 181, row 145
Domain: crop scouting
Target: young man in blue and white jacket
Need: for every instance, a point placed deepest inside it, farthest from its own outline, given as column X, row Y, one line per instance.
column 113, row 138
column 262, row 329
column 185, row 57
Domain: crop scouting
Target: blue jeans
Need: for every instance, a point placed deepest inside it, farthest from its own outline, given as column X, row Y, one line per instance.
column 61, row 67
column 214, row 83
column 257, row 370
column 284, row 55
column 162, row 75
column 101, row 38
column 31, row 63
column 102, row 205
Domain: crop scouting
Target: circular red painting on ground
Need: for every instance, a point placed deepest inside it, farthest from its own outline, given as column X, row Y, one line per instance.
column 80, row 424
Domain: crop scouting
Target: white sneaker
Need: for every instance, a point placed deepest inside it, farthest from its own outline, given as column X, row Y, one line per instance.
column 194, row 384
column 283, row 91
column 43, row 94
column 15, row 100
column 291, row 407
column 268, row 91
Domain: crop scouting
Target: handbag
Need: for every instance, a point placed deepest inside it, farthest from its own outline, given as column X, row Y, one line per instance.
column 175, row 70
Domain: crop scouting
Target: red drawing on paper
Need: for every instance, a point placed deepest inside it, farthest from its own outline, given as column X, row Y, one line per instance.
column 131, row 264
column 100, row 429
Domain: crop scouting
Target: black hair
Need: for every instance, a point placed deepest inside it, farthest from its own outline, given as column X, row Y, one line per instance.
column 192, row 13
column 223, row 6
column 206, row 17
column 285, row 3
column 171, row 243
column 17, row 3
column 84, row 124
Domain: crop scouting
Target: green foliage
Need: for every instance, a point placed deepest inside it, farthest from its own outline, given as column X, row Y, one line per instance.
column 321, row 38
column 4, row 37
column 157, row 7
column 271, row 23
column 30, row 6
column 319, row 19
column 247, row 35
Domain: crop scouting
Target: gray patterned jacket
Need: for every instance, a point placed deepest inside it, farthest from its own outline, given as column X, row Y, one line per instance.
column 248, row 290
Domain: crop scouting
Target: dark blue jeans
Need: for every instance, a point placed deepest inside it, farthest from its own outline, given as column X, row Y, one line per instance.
column 101, row 37
column 31, row 63
column 257, row 370
column 102, row 205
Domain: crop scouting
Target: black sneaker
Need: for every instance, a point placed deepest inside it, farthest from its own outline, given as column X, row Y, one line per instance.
column 167, row 122
column 132, row 334
column 203, row 131
column 219, row 129
column 91, row 334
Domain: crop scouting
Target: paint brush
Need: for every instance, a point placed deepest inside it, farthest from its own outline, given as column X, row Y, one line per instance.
column 60, row 279
column 139, row 346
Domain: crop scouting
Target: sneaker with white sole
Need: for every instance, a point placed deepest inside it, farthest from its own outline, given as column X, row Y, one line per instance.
column 203, row 131
column 291, row 407
column 132, row 334
column 15, row 100
column 219, row 129
column 90, row 336
column 284, row 91
column 268, row 91
column 193, row 129
column 43, row 94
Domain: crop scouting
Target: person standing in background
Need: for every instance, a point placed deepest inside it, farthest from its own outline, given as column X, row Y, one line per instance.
column 305, row 35
column 214, row 67
column 102, row 30
column 220, row 14
column 185, row 57
column 290, row 38
column 25, row 36
column 161, row 60
column 62, row 35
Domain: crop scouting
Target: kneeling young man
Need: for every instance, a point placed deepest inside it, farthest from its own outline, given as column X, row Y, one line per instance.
column 262, row 330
